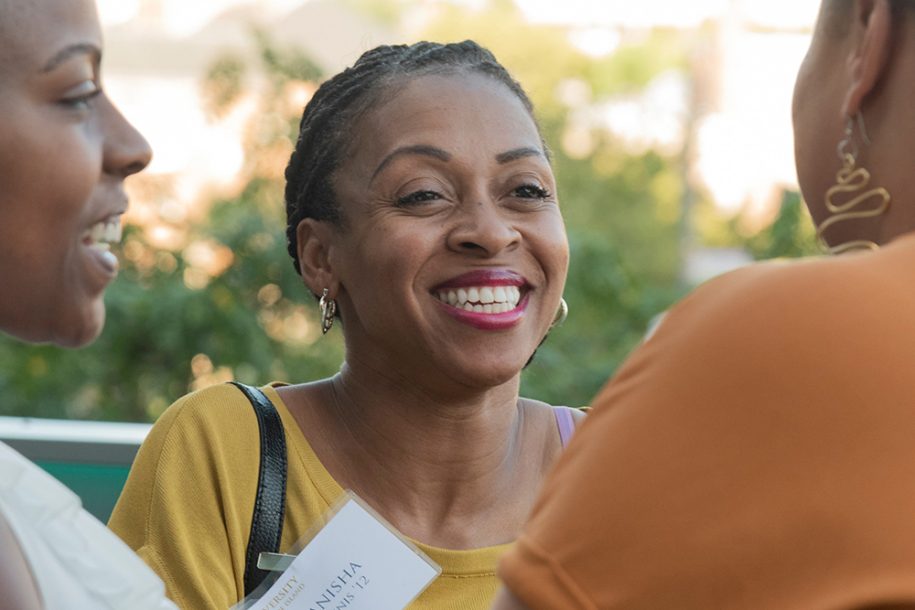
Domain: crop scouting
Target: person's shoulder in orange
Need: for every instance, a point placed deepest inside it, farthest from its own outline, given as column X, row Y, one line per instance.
column 744, row 426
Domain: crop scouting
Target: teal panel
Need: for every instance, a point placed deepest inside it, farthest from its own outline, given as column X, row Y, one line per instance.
column 98, row 485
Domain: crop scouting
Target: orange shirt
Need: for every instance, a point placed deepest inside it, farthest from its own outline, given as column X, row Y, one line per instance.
column 757, row 452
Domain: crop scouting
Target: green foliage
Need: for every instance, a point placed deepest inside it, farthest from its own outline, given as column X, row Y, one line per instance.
column 223, row 84
column 287, row 63
column 790, row 235
column 633, row 66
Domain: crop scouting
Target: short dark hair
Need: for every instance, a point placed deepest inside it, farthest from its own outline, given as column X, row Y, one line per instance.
column 340, row 101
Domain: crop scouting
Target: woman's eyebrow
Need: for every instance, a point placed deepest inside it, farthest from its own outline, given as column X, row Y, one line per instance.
column 518, row 153
column 416, row 149
column 81, row 48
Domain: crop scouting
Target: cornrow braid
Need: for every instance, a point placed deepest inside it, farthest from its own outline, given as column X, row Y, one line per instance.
column 340, row 101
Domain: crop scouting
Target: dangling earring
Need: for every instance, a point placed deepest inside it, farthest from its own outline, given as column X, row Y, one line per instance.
column 561, row 314
column 852, row 180
column 328, row 311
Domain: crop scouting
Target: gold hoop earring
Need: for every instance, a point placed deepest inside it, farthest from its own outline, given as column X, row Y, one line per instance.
column 561, row 314
column 328, row 311
column 852, row 181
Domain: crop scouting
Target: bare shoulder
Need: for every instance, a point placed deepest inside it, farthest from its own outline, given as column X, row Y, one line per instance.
column 303, row 396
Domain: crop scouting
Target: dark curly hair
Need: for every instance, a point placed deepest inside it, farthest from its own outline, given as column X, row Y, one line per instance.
column 337, row 104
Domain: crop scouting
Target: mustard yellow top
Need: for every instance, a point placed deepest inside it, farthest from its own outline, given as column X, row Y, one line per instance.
column 187, row 505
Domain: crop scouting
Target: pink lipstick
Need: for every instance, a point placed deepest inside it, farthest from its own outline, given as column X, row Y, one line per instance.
column 488, row 299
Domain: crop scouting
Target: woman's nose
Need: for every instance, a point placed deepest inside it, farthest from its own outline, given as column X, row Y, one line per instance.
column 126, row 151
column 483, row 229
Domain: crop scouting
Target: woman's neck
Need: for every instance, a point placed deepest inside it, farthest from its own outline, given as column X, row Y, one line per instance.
column 456, row 470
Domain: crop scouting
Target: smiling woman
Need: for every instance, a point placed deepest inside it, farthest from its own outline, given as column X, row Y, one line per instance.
column 422, row 212
column 64, row 154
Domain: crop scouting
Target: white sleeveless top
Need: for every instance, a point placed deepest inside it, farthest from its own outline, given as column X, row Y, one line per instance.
column 76, row 561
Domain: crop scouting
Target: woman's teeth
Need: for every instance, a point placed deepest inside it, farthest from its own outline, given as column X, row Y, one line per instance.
column 103, row 234
column 482, row 299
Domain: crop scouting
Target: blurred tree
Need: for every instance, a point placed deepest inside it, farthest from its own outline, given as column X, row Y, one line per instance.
column 790, row 235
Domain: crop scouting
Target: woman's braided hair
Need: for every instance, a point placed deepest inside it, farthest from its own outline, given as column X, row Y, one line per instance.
column 337, row 104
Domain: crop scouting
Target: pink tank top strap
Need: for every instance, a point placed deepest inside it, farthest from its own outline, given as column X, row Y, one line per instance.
column 566, row 424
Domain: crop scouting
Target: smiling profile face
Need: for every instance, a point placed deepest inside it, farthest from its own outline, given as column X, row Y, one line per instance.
column 452, row 254
column 64, row 154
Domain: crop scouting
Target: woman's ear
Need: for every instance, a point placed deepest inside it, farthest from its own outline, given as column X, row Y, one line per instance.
column 872, row 42
column 315, row 240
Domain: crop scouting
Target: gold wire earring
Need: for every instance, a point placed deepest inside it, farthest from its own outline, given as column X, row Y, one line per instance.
column 852, row 181
column 328, row 311
column 561, row 314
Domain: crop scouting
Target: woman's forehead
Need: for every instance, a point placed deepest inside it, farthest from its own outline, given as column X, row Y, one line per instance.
column 469, row 107
column 448, row 88
column 35, row 31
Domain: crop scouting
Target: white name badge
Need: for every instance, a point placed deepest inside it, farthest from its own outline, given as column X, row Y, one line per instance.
column 355, row 562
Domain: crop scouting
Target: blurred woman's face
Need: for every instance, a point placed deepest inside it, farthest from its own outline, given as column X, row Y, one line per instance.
column 64, row 154
column 818, row 120
column 453, row 255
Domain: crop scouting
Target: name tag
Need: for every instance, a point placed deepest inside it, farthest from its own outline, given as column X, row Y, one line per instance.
column 355, row 562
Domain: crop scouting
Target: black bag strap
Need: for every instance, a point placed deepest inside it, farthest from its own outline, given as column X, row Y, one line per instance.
column 270, row 502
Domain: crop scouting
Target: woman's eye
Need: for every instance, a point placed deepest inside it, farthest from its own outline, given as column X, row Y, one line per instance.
column 418, row 197
column 531, row 191
column 80, row 97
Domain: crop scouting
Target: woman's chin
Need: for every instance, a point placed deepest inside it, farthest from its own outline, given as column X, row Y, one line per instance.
column 488, row 377
column 81, row 328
